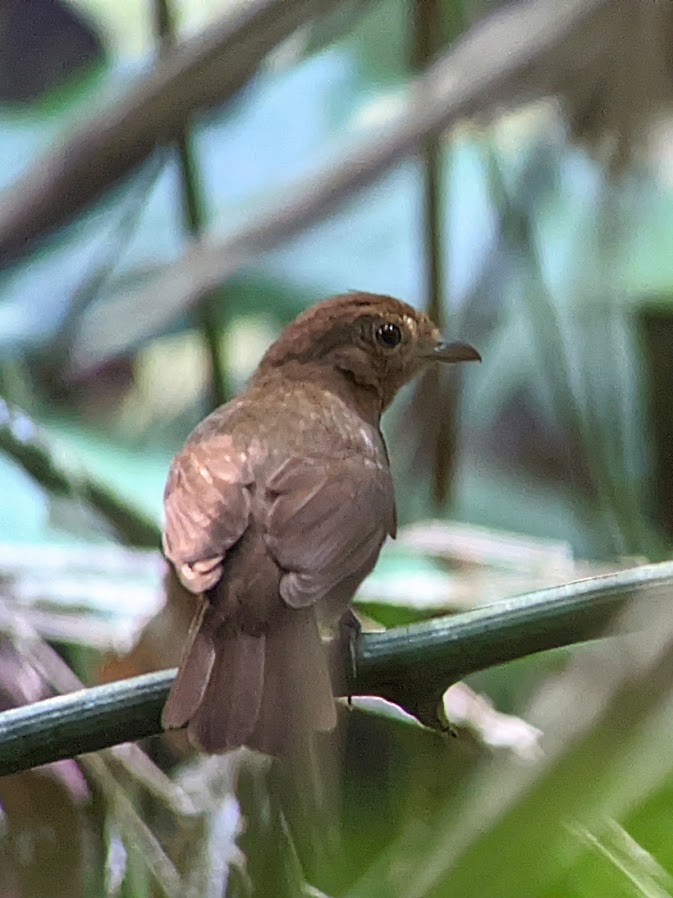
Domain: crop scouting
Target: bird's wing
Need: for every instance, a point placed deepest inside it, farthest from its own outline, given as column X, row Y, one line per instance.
column 326, row 522
column 207, row 508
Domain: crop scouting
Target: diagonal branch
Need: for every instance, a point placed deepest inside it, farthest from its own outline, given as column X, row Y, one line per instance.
column 201, row 72
column 23, row 441
column 487, row 67
column 410, row 665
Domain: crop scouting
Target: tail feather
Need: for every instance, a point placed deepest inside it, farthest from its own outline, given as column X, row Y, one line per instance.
column 230, row 708
column 268, row 692
column 297, row 698
column 195, row 668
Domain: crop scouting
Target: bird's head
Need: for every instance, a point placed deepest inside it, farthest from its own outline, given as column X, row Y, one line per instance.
column 376, row 342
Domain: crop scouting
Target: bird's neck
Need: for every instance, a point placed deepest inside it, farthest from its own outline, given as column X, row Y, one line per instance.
column 365, row 398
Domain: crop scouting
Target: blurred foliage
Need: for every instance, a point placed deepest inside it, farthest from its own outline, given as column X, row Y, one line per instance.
column 541, row 234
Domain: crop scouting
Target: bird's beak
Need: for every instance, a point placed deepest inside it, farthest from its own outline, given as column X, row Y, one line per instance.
column 454, row 352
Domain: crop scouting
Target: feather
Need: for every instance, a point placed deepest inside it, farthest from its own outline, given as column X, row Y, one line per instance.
column 229, row 711
column 190, row 685
column 297, row 698
column 327, row 520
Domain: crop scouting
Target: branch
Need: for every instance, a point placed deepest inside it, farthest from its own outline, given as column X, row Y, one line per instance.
column 488, row 67
column 201, row 72
column 194, row 221
column 22, row 440
column 409, row 665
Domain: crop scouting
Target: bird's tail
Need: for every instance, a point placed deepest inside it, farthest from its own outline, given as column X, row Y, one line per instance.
column 267, row 692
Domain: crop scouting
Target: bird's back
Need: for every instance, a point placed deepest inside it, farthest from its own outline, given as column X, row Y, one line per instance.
column 257, row 506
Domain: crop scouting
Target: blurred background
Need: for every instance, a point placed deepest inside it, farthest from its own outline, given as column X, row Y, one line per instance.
column 181, row 178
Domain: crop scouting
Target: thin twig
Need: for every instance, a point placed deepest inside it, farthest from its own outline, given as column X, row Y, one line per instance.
column 553, row 369
column 107, row 257
column 194, row 217
column 427, row 43
column 409, row 665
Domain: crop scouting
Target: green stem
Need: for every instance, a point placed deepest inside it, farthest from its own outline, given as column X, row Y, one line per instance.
column 427, row 41
column 206, row 312
column 406, row 664
column 82, row 721
column 410, row 665
column 194, row 214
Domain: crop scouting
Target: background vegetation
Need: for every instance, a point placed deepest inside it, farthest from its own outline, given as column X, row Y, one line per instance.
column 178, row 181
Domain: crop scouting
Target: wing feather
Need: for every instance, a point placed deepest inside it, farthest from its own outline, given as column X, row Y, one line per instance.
column 207, row 509
column 327, row 519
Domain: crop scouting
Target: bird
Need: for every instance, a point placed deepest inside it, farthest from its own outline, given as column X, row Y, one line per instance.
column 276, row 509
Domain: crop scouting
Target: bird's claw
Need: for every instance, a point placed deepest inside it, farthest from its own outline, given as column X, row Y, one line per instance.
column 349, row 634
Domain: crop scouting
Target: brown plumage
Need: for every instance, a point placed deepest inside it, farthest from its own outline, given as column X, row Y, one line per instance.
column 276, row 510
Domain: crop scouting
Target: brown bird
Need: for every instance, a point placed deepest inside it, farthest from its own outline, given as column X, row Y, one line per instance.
column 276, row 510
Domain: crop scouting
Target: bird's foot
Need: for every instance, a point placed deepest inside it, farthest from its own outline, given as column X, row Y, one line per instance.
column 349, row 634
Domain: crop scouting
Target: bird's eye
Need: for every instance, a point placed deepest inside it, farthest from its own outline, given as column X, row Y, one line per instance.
column 388, row 335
